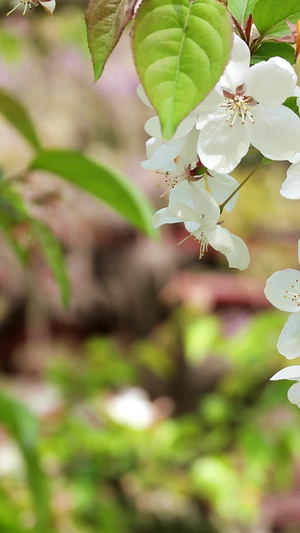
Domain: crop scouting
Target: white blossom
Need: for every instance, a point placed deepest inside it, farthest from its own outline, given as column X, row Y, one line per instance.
column 283, row 291
column 249, row 110
column 190, row 203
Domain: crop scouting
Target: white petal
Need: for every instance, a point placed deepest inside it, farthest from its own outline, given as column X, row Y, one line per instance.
column 289, row 339
column 163, row 216
column 295, row 158
column 220, row 146
column 209, row 105
column 277, row 286
column 271, row 82
column 291, row 186
column 189, row 154
column 153, row 127
column 290, row 372
column 238, row 65
column 275, row 132
column 182, row 193
column 142, row 94
column 222, row 186
column 230, row 245
column 294, row 394
column 204, row 203
column 49, row 6
column 185, row 213
column 161, row 155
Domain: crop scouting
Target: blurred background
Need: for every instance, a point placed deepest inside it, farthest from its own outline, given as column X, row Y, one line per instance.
column 147, row 407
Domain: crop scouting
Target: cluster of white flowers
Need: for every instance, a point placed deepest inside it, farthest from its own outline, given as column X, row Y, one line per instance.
column 246, row 107
column 283, row 291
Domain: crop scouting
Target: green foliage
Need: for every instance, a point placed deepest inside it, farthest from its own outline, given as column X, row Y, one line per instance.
column 291, row 102
column 270, row 16
column 101, row 181
column 268, row 50
column 241, row 9
column 105, row 21
column 224, row 454
column 22, row 426
column 16, row 115
column 180, row 51
column 54, row 256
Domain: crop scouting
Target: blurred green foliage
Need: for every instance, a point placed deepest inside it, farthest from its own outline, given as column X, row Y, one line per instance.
column 206, row 468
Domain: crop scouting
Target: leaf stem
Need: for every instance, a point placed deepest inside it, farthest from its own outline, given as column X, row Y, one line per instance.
column 242, row 184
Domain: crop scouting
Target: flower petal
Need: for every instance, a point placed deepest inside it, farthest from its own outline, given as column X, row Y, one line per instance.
column 291, row 186
column 49, row 6
column 204, row 203
column 230, row 245
column 163, row 216
column 294, row 394
column 161, row 155
column 275, row 132
column 209, row 105
column 290, row 372
column 142, row 94
column 222, row 186
column 271, row 82
column 220, row 146
column 153, row 128
column 289, row 339
column 238, row 65
column 279, row 287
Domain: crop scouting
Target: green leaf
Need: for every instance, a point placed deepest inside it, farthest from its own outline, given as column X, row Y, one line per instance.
column 291, row 102
column 101, row 181
column 15, row 113
column 180, row 49
column 12, row 213
column 105, row 22
column 268, row 50
column 22, row 426
column 54, row 256
column 241, row 9
column 270, row 16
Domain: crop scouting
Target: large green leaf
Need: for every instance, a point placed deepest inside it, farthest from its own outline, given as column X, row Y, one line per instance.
column 54, row 256
column 15, row 113
column 22, row 426
column 270, row 16
column 180, row 49
column 241, row 9
column 105, row 22
column 101, row 181
column 270, row 49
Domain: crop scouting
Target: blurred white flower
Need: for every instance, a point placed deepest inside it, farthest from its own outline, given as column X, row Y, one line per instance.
column 132, row 408
column 283, row 291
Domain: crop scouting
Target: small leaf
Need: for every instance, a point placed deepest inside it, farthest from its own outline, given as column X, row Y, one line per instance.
column 268, row 50
column 22, row 426
column 270, row 16
column 241, row 9
column 180, row 49
column 12, row 213
column 54, row 256
column 291, row 102
column 15, row 113
column 105, row 22
column 101, row 181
